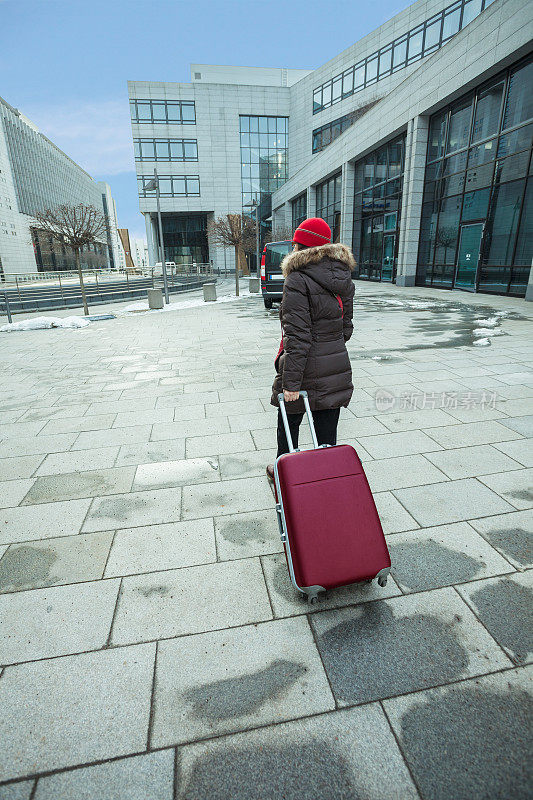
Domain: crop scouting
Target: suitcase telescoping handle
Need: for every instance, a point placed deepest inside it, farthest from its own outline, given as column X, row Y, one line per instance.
column 283, row 410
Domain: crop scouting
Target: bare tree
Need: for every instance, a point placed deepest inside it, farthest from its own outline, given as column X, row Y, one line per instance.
column 282, row 234
column 76, row 227
column 233, row 230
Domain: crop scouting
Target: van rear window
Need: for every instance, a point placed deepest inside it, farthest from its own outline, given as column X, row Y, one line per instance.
column 275, row 253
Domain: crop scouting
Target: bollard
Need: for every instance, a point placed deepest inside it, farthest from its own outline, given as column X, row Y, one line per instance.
column 210, row 292
column 155, row 298
column 8, row 310
column 254, row 284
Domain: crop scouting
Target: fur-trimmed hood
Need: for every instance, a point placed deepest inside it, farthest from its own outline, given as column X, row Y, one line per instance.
column 314, row 255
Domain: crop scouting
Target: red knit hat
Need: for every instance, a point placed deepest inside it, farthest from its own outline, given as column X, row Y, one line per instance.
column 312, row 232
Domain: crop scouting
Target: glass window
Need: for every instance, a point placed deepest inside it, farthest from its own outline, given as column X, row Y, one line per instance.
column 511, row 168
column 371, row 69
column 173, row 112
column 524, row 243
column 487, row 116
column 317, row 100
column 432, row 39
column 519, row 103
column 271, row 124
column 263, row 125
column 451, row 23
column 369, row 171
column 381, row 164
column 337, row 89
column 148, row 149
column 471, row 10
column 159, row 112
column 502, row 223
column 515, row 141
column 347, row 82
column 161, row 150
column 475, row 205
column 188, row 112
column 451, row 185
column 479, row 176
column 437, row 135
column 144, row 112
column 455, row 163
column 191, row 149
column 459, row 125
column 137, row 148
column 359, row 75
column 326, row 95
column 415, row 44
column 245, row 124
column 176, row 150
column 165, row 186
column 179, row 185
column 482, row 153
column 447, row 230
column 399, row 53
column 254, row 124
column 385, row 61
column 193, row 185
column 390, row 222
column 395, row 158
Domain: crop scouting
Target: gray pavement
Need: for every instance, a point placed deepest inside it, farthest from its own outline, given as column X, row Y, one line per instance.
column 151, row 644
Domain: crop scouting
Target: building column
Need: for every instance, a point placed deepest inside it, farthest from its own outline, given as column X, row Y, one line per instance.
column 413, row 190
column 348, row 179
column 529, row 289
column 153, row 253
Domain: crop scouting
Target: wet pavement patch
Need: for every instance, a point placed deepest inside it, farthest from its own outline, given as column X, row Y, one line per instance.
column 470, row 743
column 377, row 654
column 239, row 531
column 505, row 608
column 26, row 566
column 311, row 770
column 516, row 543
column 427, row 564
column 237, row 697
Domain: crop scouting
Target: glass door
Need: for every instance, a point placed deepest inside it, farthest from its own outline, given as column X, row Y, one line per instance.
column 387, row 261
column 468, row 256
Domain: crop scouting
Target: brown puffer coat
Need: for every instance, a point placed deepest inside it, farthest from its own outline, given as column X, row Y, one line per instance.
column 314, row 331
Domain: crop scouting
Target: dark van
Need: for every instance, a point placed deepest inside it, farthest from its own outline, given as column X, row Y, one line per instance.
column 271, row 277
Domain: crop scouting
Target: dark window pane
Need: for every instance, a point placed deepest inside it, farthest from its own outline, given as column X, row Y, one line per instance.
column 369, row 172
column 395, row 158
column 433, row 33
column 515, row 141
column 476, row 177
column 452, row 185
column 447, row 230
column 494, row 279
column 482, row 153
column 455, row 163
column 502, row 222
column 524, row 245
column 475, row 205
column 487, row 117
column 437, row 135
column 471, row 10
column 381, row 165
column 428, row 228
column 519, row 104
column 509, row 169
column 459, row 125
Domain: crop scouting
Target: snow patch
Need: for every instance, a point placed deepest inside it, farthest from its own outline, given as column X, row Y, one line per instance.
column 195, row 302
column 487, row 332
column 40, row 323
column 481, row 343
column 490, row 322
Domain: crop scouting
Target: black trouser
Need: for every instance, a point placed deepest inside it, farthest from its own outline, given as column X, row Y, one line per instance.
column 325, row 425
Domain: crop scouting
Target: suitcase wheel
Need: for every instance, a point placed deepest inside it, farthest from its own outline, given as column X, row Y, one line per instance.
column 382, row 581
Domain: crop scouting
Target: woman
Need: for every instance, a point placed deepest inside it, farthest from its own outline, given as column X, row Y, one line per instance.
column 316, row 319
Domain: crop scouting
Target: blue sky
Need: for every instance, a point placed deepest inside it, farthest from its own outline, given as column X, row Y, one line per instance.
column 65, row 63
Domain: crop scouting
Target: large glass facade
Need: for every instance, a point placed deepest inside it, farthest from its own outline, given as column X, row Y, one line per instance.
column 406, row 49
column 54, row 256
column 185, row 237
column 264, row 161
column 299, row 210
column 328, row 204
column 377, row 202
column 476, row 219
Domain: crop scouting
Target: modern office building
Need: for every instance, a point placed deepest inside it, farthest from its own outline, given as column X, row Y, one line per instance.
column 36, row 175
column 414, row 144
column 139, row 253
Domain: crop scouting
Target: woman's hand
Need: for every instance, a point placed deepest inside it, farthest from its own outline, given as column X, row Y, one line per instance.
column 289, row 397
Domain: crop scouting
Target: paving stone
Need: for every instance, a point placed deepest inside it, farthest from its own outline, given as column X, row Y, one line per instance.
column 467, row 462
column 248, row 422
column 400, row 472
column 355, row 427
column 94, row 422
column 80, row 460
column 17, row 791
column 516, row 487
column 521, row 425
column 176, row 473
column 233, row 408
column 133, row 509
column 51, row 562
column 13, row 492
column 33, row 445
column 12, row 469
column 25, row 429
column 74, row 710
column 472, row 433
column 227, row 497
column 236, row 679
column 447, row 554
column 174, row 400
column 451, row 501
column 398, row 444
column 416, row 418
column 218, row 444
column 377, row 650
column 331, row 755
column 135, row 434
column 186, row 428
column 74, row 485
column 191, row 600
column 246, row 465
column 511, row 534
column 161, row 547
column 392, row 514
column 472, row 736
column 247, row 534
column 145, row 777
column 56, row 621
column 504, row 606
column 287, row 601
column 151, row 452
column 520, row 450
column 48, row 520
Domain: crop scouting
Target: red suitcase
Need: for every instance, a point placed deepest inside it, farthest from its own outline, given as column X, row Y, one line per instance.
column 327, row 517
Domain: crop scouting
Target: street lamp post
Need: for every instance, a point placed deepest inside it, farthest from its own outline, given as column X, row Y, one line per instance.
column 154, row 184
